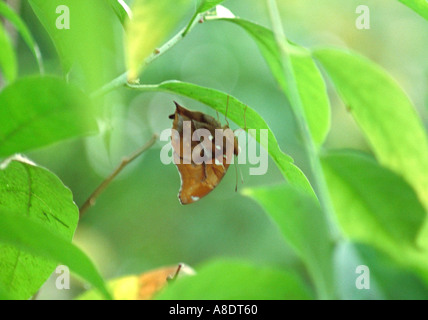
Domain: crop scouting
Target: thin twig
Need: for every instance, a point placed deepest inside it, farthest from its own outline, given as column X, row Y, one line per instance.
column 125, row 161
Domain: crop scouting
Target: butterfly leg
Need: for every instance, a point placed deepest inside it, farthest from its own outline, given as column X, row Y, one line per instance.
column 245, row 118
column 204, row 166
column 227, row 107
column 172, row 278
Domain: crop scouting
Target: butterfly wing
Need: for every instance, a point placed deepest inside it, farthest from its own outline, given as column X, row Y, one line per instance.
column 197, row 180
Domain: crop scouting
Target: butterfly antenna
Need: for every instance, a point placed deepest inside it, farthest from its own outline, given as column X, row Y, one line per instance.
column 245, row 123
column 227, row 108
column 236, row 174
column 245, row 118
column 242, row 176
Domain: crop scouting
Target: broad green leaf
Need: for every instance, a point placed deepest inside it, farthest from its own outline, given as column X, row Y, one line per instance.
column 152, row 21
column 22, row 28
column 37, row 194
column 82, row 34
column 419, row 6
column 373, row 204
column 301, row 222
column 121, row 10
column 237, row 280
column 385, row 114
column 4, row 295
column 387, row 279
column 241, row 115
column 311, row 86
column 38, row 111
column 28, row 235
column 387, row 273
column 8, row 65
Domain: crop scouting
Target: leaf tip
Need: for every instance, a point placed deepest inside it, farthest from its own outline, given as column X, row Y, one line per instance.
column 16, row 157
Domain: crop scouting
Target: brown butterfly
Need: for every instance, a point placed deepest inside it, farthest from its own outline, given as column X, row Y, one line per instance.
column 202, row 156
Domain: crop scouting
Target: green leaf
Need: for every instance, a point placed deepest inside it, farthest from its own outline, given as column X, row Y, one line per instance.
column 123, row 288
column 38, row 111
column 121, row 10
column 310, row 83
column 419, row 6
column 152, row 22
column 4, row 295
column 87, row 47
column 22, row 28
column 376, row 207
column 237, row 280
column 385, row 114
column 37, row 194
column 205, row 5
column 7, row 56
column 387, row 273
column 347, row 261
column 301, row 222
column 384, row 273
column 236, row 111
column 373, row 205
column 30, row 236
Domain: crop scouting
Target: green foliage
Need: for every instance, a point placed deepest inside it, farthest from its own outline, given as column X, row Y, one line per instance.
column 40, row 110
column 300, row 220
column 336, row 210
column 230, row 280
column 310, row 83
column 7, row 56
column 36, row 239
column 374, row 206
column 385, row 274
column 37, row 194
column 152, row 22
column 84, row 47
column 4, row 295
column 385, row 114
column 120, row 10
column 419, row 6
column 205, row 5
column 22, row 28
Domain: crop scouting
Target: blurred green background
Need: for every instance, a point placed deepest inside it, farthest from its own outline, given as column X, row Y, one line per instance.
column 138, row 224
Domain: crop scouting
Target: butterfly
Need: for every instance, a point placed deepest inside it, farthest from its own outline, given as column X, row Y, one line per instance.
column 202, row 155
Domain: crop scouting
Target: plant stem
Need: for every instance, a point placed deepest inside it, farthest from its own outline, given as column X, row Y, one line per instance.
column 193, row 22
column 125, row 161
column 123, row 78
column 298, row 110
